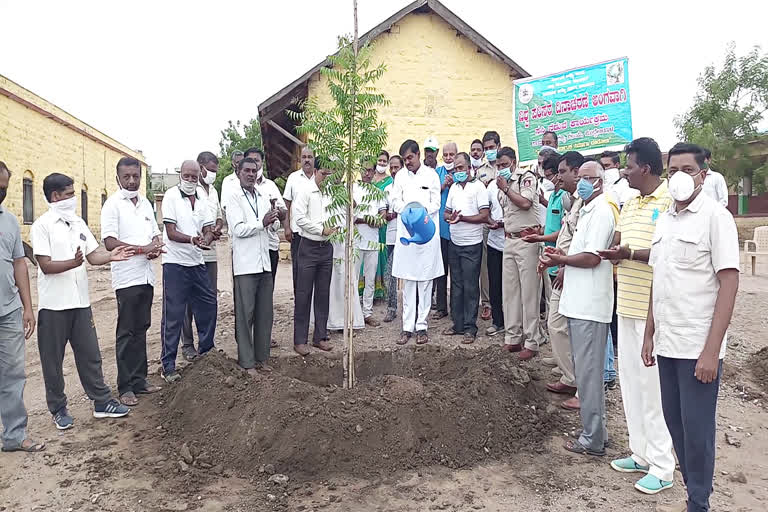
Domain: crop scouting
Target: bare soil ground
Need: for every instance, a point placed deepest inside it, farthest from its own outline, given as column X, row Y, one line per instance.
column 441, row 427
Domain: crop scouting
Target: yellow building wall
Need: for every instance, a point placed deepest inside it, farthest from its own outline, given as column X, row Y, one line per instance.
column 438, row 84
column 34, row 146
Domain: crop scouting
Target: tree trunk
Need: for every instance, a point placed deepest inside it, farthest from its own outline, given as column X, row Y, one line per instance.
column 350, row 291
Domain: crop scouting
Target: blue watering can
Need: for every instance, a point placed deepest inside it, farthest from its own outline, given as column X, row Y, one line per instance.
column 418, row 224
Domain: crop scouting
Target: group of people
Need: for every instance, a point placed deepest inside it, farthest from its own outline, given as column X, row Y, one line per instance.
column 595, row 244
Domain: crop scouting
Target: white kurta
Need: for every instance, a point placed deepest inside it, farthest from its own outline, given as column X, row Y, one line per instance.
column 415, row 262
column 336, row 299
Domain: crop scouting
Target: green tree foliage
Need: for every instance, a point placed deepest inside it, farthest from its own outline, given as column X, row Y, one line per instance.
column 726, row 114
column 236, row 136
column 346, row 135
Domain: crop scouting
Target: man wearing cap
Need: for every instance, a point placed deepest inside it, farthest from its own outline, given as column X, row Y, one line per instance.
column 431, row 147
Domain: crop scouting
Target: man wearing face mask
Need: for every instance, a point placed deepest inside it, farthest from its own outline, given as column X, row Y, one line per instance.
column 445, row 173
column 189, row 222
column 648, row 436
column 695, row 259
column 17, row 323
column 587, row 303
column 476, row 154
column 616, row 183
column 127, row 219
column 467, row 212
column 486, row 173
column 549, row 139
column 209, row 166
column 520, row 287
column 62, row 242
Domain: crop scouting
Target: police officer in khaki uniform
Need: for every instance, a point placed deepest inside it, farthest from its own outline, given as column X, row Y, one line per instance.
column 520, row 282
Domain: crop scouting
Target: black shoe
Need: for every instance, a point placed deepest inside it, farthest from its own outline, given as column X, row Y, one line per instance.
column 611, row 384
column 189, row 353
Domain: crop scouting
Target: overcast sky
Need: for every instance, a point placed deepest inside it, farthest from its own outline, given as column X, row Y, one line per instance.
column 165, row 76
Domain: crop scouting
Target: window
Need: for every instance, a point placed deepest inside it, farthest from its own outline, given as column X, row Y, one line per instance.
column 84, row 205
column 28, row 207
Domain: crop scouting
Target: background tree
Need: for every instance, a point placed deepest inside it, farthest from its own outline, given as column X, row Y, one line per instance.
column 726, row 115
column 240, row 136
column 345, row 136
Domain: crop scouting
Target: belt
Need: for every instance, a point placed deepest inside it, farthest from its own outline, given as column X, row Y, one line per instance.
column 512, row 235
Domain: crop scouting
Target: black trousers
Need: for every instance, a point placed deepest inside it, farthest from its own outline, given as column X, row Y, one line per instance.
column 274, row 260
column 313, row 274
column 495, row 259
column 74, row 326
column 466, row 261
column 253, row 318
column 294, row 258
column 441, row 283
column 212, row 268
column 615, row 320
column 134, row 316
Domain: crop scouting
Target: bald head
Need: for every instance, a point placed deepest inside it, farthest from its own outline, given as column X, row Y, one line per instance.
column 190, row 171
column 449, row 152
column 591, row 169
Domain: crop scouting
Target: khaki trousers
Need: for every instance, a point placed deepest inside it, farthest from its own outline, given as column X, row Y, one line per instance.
column 561, row 342
column 520, row 292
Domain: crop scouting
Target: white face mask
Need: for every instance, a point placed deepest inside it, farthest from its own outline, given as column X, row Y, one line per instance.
column 259, row 174
column 187, row 187
column 476, row 162
column 381, row 169
column 547, row 184
column 129, row 194
column 682, row 186
column 209, row 177
column 65, row 208
column 448, row 166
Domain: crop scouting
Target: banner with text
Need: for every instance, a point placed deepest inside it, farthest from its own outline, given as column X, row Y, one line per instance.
column 588, row 108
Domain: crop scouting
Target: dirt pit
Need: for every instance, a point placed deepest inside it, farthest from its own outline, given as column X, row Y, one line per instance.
column 760, row 367
column 412, row 407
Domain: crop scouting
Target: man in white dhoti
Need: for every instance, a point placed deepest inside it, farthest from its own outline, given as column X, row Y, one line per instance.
column 416, row 264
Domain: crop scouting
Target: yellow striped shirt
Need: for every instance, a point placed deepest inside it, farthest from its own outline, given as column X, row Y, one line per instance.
column 637, row 224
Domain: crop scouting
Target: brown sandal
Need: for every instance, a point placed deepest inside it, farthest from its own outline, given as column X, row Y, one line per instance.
column 129, row 399
column 405, row 336
column 422, row 338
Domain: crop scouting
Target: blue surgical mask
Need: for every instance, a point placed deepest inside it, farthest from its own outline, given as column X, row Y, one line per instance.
column 585, row 188
column 506, row 173
column 490, row 155
column 460, row 176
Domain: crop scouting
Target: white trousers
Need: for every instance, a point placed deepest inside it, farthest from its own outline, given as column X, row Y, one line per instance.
column 649, row 438
column 369, row 261
column 413, row 320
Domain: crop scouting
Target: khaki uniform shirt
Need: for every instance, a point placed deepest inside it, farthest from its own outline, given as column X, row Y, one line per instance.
column 516, row 219
column 486, row 173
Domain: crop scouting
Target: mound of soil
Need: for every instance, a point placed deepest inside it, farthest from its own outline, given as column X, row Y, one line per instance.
column 411, row 407
column 760, row 367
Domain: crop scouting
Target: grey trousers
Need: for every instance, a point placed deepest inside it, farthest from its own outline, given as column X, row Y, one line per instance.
column 253, row 318
column 74, row 326
column 186, row 328
column 588, row 349
column 12, row 379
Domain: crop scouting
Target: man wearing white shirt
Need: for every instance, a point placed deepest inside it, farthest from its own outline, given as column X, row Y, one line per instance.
column 587, row 303
column 127, row 219
column 495, row 247
column 62, row 242
column 314, row 265
column 466, row 211
column 367, row 212
column 293, row 185
column 188, row 231
column 616, row 184
column 395, row 164
column 695, row 260
column 269, row 190
column 252, row 218
column 209, row 166
column 416, row 264
column 231, row 183
column 714, row 184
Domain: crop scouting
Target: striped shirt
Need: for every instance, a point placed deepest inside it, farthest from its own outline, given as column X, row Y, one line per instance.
column 637, row 223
